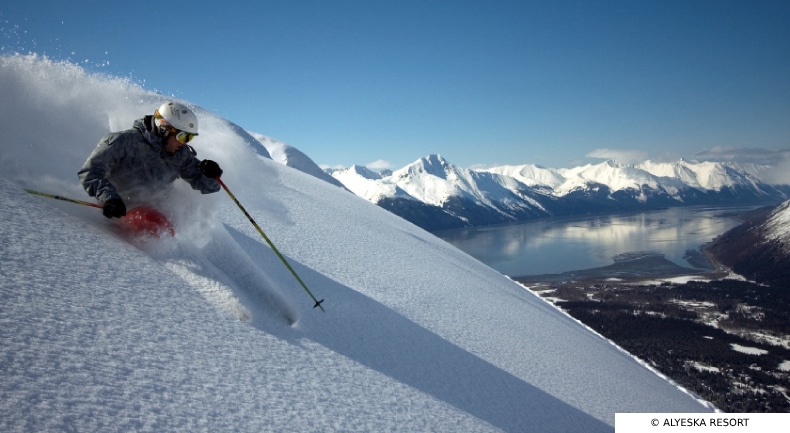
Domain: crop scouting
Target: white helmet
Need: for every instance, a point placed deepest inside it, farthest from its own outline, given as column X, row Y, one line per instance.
column 178, row 116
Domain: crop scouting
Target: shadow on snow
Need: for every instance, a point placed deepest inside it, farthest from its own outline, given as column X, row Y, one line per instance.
column 368, row 332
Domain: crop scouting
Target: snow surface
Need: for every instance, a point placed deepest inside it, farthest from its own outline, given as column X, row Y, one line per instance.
column 748, row 350
column 777, row 228
column 707, row 175
column 293, row 157
column 530, row 175
column 209, row 332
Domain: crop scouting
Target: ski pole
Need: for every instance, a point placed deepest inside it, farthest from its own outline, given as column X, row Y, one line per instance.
column 268, row 241
column 57, row 197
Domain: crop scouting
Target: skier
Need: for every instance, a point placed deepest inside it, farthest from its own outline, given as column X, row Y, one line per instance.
column 132, row 165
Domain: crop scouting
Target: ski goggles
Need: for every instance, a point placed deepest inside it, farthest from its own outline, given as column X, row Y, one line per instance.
column 184, row 137
column 181, row 136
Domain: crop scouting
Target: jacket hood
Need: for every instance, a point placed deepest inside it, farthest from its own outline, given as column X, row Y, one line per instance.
column 146, row 127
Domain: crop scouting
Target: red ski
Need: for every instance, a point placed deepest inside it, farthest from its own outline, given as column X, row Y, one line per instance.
column 146, row 220
column 142, row 220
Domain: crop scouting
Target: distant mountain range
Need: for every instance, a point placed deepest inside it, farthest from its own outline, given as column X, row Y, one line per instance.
column 435, row 194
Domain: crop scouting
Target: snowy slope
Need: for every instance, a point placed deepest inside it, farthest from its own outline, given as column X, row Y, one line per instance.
column 293, row 157
column 777, row 227
column 706, row 175
column 530, row 175
column 195, row 333
column 617, row 177
column 759, row 248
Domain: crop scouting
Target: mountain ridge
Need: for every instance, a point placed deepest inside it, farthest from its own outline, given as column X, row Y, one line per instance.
column 474, row 197
column 759, row 248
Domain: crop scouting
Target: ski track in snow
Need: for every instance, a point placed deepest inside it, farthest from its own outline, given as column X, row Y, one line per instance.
column 225, row 275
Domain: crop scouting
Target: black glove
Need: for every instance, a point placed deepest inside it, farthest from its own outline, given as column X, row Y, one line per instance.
column 210, row 168
column 114, row 208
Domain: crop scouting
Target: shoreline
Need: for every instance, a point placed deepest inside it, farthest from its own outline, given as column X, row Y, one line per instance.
column 634, row 267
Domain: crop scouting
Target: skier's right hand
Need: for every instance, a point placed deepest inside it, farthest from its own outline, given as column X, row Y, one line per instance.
column 114, row 208
column 210, row 169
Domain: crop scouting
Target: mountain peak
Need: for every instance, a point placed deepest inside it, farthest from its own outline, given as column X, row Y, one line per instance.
column 435, row 161
column 434, row 165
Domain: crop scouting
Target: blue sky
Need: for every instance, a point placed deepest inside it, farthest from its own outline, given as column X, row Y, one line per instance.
column 383, row 83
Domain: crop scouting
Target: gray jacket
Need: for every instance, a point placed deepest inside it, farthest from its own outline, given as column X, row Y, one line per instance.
column 133, row 165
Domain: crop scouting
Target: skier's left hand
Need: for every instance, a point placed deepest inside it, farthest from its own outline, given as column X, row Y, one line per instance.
column 114, row 208
column 210, row 168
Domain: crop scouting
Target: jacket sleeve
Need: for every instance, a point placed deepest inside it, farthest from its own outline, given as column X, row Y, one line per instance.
column 192, row 174
column 93, row 174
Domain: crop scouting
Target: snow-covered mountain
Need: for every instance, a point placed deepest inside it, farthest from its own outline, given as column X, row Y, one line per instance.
column 759, row 249
column 450, row 196
column 208, row 331
column 712, row 176
column 293, row 157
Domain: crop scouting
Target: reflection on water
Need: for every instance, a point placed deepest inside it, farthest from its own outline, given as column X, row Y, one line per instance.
column 563, row 244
